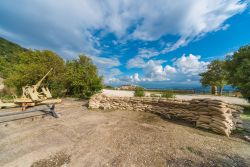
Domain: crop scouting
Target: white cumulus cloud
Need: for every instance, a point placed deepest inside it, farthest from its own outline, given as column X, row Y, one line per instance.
column 79, row 26
column 183, row 69
column 190, row 65
column 72, row 24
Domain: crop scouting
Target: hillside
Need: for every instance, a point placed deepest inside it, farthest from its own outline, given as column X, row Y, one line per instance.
column 8, row 48
column 8, row 55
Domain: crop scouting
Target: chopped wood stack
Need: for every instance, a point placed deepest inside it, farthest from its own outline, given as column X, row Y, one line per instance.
column 214, row 115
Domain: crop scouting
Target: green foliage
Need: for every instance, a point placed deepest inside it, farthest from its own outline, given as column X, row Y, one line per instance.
column 8, row 56
column 8, row 49
column 32, row 66
column 81, row 78
column 246, row 114
column 20, row 67
column 139, row 92
column 216, row 75
column 168, row 94
column 109, row 87
column 238, row 66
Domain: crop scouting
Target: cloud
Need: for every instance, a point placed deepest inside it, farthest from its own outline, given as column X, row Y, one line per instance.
column 183, row 69
column 73, row 24
column 110, row 75
column 229, row 54
column 190, row 65
column 189, row 19
column 170, row 70
column 136, row 62
column 80, row 26
column 147, row 53
column 154, row 71
column 129, row 79
column 104, row 62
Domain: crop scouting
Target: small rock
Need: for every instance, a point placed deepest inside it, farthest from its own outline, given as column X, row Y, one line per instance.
column 247, row 138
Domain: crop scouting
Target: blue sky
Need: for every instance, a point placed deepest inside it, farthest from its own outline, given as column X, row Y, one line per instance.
column 157, row 43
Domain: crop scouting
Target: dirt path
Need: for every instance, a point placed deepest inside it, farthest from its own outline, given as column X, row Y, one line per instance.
column 232, row 100
column 118, row 138
column 124, row 93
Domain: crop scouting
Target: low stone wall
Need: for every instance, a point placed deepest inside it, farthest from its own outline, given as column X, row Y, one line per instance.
column 214, row 115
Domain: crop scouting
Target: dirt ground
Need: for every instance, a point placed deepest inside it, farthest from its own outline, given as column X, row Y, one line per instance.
column 81, row 137
column 233, row 100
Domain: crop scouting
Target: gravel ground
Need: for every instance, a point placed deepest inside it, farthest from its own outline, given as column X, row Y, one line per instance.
column 81, row 137
column 233, row 100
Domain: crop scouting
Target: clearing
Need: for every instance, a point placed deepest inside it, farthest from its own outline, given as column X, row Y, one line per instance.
column 81, row 137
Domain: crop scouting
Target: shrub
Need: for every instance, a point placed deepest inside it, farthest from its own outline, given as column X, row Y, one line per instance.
column 139, row 92
column 32, row 66
column 81, row 77
column 168, row 94
column 109, row 87
column 76, row 78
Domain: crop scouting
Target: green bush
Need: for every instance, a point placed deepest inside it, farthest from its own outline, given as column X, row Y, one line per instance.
column 246, row 114
column 32, row 66
column 81, row 78
column 168, row 94
column 76, row 78
column 57, row 89
column 139, row 92
column 20, row 67
column 109, row 87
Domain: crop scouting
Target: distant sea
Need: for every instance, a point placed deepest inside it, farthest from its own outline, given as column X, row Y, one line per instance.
column 197, row 89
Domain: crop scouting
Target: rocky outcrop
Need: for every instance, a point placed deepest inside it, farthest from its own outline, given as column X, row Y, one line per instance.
column 214, row 115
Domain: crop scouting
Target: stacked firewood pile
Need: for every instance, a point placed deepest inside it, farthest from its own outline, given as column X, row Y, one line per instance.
column 214, row 115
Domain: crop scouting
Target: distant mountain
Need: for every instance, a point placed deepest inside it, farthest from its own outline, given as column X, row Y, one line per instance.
column 8, row 55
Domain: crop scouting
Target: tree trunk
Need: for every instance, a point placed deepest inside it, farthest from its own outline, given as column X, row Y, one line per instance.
column 221, row 90
column 214, row 90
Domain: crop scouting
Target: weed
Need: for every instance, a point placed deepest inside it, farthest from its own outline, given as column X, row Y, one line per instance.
column 168, row 94
column 246, row 114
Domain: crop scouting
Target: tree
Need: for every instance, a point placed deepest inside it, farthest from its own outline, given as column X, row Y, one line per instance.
column 32, row 66
column 82, row 79
column 215, row 76
column 20, row 67
column 238, row 66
